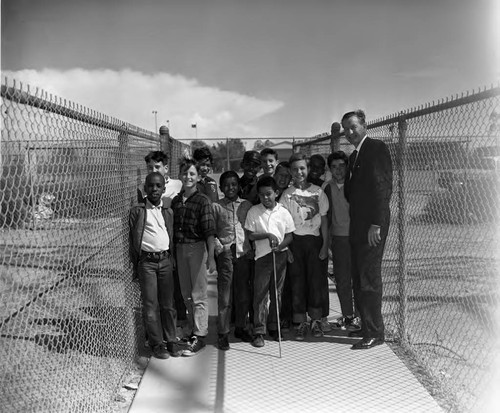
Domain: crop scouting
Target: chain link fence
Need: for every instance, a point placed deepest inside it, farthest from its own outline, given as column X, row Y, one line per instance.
column 69, row 322
column 441, row 264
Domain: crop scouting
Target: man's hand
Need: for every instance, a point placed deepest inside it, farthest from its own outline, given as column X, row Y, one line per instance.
column 374, row 235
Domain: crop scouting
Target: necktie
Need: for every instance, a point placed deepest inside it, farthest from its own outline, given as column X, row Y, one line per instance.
column 352, row 159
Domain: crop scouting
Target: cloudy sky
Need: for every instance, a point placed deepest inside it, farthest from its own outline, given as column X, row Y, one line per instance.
column 239, row 68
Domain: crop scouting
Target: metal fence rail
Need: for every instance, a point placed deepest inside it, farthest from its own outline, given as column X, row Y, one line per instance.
column 69, row 320
column 441, row 264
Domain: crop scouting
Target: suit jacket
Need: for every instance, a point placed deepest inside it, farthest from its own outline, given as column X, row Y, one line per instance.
column 368, row 188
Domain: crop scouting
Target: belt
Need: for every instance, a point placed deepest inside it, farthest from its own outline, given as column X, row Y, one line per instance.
column 155, row 256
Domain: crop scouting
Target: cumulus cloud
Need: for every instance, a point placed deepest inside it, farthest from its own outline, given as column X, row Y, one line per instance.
column 133, row 96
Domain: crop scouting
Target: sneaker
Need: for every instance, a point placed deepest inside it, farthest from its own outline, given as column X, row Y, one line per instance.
column 301, row 331
column 243, row 335
column 258, row 341
column 160, row 352
column 223, row 342
column 339, row 323
column 196, row 344
column 325, row 325
column 316, row 328
column 353, row 324
column 174, row 349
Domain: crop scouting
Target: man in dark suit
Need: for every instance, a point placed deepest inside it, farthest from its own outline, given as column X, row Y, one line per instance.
column 368, row 188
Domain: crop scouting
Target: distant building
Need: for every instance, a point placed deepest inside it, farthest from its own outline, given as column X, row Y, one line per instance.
column 284, row 150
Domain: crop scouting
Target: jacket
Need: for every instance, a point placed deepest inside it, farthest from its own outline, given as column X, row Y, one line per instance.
column 136, row 223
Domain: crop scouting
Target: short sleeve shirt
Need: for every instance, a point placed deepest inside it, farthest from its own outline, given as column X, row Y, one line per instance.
column 277, row 221
column 306, row 206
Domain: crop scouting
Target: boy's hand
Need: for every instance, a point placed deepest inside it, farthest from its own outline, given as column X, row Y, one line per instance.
column 323, row 252
column 211, row 265
column 273, row 241
column 289, row 256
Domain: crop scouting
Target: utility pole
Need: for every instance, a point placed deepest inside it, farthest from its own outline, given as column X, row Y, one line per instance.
column 154, row 112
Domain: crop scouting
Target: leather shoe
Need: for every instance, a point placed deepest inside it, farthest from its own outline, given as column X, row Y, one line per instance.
column 367, row 343
column 357, row 333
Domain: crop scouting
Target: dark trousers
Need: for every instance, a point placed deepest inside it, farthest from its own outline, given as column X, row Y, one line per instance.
column 366, row 267
column 180, row 307
column 308, row 278
column 264, row 291
column 286, row 312
column 341, row 254
column 157, row 294
column 233, row 280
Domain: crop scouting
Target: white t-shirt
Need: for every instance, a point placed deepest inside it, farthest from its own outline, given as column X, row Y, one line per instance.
column 277, row 221
column 307, row 206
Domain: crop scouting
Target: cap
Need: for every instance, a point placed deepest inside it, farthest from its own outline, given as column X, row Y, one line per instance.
column 251, row 156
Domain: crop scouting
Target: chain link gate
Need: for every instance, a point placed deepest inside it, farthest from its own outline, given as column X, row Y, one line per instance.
column 70, row 312
column 441, row 261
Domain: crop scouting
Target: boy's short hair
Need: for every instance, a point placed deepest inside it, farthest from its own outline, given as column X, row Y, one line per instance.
column 157, row 156
column 267, row 180
column 186, row 163
column 282, row 164
column 251, row 156
column 151, row 175
column 318, row 158
column 202, row 153
column 298, row 156
column 269, row 151
column 337, row 155
column 227, row 175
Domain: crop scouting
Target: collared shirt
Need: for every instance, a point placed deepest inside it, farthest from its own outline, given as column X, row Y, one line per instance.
column 339, row 209
column 307, row 206
column 358, row 148
column 208, row 186
column 193, row 218
column 229, row 223
column 155, row 237
column 276, row 221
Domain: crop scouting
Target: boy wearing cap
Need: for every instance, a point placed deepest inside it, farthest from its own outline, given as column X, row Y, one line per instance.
column 251, row 165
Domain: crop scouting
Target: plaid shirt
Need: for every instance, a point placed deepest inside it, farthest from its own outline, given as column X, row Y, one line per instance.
column 193, row 219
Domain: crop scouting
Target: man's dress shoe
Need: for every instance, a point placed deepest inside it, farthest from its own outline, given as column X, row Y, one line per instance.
column 367, row 343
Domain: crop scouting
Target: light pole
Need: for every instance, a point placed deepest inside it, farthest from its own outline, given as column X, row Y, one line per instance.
column 154, row 112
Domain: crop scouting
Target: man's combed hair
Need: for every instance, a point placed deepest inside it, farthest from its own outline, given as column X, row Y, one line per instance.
column 227, row 175
column 360, row 114
column 157, row 156
column 202, row 153
column 267, row 181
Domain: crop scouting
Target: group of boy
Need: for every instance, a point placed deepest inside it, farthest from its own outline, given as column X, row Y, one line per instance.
column 251, row 237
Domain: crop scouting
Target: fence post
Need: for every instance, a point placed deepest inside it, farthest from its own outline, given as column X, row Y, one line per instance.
column 335, row 137
column 401, row 167
column 166, row 145
column 227, row 155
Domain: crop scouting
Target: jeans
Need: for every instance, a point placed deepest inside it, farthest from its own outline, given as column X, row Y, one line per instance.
column 308, row 278
column 192, row 266
column 233, row 280
column 264, row 288
column 157, row 293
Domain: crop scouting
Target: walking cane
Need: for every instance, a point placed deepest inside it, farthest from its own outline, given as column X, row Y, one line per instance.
column 277, row 303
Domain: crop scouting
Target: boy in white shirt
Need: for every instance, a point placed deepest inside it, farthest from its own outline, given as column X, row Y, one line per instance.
column 308, row 205
column 270, row 226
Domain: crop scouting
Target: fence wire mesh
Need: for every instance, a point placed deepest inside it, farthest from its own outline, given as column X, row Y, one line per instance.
column 69, row 323
column 441, row 262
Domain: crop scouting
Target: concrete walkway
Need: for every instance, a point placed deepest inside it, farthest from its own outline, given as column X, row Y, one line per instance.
column 316, row 375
